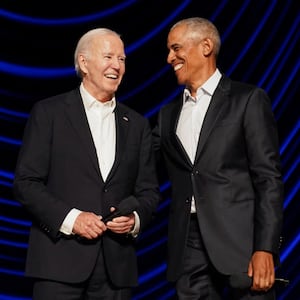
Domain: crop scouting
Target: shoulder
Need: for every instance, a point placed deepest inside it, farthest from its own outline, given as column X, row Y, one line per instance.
column 174, row 103
column 54, row 105
column 239, row 88
column 246, row 95
column 59, row 98
column 57, row 101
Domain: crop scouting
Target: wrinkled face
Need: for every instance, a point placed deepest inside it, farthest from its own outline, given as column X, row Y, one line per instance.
column 185, row 56
column 104, row 66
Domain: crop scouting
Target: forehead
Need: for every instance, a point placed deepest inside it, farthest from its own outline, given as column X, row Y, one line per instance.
column 109, row 42
column 177, row 35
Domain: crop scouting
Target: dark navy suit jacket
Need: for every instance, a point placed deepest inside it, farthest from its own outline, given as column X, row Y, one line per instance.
column 235, row 179
column 58, row 170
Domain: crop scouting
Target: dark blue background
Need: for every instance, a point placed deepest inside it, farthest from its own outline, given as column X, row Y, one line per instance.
column 260, row 46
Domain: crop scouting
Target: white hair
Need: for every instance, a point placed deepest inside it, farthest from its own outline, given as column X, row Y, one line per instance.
column 85, row 42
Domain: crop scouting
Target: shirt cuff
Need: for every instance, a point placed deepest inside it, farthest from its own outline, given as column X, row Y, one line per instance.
column 137, row 224
column 68, row 223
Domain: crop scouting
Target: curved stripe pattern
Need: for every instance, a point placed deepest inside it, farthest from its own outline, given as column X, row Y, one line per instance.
column 260, row 45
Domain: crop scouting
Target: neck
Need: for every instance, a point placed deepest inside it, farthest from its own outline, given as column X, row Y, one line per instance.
column 202, row 78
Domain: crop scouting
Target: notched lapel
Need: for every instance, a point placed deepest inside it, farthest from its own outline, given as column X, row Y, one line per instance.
column 174, row 138
column 76, row 114
column 122, row 126
column 218, row 101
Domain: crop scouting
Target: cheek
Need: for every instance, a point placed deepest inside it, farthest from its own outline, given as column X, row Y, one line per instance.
column 122, row 69
column 194, row 63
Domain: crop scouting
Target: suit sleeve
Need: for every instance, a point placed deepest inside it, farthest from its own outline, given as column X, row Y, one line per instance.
column 32, row 170
column 265, row 168
column 147, row 188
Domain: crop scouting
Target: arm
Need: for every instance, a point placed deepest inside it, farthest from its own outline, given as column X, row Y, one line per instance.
column 30, row 183
column 264, row 164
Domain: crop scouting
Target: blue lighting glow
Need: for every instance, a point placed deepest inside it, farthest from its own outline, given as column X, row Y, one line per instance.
column 66, row 21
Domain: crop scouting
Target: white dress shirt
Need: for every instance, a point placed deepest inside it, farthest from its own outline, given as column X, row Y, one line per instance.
column 192, row 115
column 101, row 119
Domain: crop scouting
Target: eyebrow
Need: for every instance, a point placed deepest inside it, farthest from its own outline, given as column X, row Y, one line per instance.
column 112, row 54
column 174, row 45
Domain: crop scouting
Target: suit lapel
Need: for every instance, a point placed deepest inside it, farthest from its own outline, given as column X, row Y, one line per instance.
column 217, row 102
column 174, row 138
column 76, row 114
column 122, row 125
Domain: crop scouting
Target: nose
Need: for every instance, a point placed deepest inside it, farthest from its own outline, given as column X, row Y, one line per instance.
column 116, row 64
column 170, row 57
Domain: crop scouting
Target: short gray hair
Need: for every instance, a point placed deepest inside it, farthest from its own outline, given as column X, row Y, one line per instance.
column 202, row 28
column 85, row 42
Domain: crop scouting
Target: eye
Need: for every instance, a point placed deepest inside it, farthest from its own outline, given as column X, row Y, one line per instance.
column 122, row 58
column 107, row 56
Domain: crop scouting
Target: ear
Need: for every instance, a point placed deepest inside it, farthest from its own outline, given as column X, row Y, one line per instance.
column 82, row 63
column 207, row 47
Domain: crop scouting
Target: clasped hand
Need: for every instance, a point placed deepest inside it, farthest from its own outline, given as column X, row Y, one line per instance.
column 90, row 226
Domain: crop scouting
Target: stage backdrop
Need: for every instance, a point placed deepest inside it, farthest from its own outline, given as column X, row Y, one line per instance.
column 260, row 45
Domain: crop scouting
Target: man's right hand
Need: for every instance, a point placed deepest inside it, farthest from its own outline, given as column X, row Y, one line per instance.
column 89, row 226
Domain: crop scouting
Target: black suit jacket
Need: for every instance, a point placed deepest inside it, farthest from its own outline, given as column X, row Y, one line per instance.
column 58, row 170
column 235, row 179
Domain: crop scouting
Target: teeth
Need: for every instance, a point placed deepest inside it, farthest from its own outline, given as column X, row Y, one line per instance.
column 111, row 76
column 177, row 67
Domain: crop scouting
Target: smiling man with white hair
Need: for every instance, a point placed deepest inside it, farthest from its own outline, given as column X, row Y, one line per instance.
column 84, row 155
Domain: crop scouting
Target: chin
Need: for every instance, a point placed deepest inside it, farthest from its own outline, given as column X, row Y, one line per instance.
column 180, row 82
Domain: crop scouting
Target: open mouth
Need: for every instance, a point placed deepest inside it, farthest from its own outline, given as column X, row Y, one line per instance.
column 111, row 76
column 178, row 67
